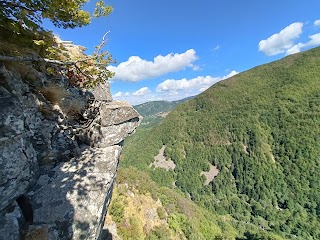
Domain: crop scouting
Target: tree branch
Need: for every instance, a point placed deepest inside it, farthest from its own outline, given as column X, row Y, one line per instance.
column 14, row 5
column 84, row 74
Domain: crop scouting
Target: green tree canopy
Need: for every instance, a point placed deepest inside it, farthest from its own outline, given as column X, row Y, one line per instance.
column 28, row 14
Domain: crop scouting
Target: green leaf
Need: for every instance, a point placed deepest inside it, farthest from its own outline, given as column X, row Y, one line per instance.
column 39, row 42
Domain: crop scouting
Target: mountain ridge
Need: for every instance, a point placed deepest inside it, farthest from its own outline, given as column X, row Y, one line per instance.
column 154, row 111
column 260, row 128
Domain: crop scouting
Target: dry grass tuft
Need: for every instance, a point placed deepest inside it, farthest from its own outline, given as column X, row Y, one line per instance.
column 54, row 93
column 27, row 72
column 73, row 107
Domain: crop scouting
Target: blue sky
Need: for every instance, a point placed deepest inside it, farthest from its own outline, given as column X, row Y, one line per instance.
column 172, row 49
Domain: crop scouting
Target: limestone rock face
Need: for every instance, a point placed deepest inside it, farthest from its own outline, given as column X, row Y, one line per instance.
column 66, row 168
column 72, row 198
column 18, row 165
column 115, row 122
column 102, row 92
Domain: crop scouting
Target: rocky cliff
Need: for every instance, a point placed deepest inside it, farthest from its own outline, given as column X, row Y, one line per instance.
column 58, row 158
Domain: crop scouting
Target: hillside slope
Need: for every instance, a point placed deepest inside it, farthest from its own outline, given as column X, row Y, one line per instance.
column 261, row 130
column 153, row 112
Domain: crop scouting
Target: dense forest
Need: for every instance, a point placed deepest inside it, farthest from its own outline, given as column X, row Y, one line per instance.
column 261, row 129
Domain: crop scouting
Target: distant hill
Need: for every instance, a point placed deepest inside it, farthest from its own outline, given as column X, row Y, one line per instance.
column 153, row 112
column 260, row 132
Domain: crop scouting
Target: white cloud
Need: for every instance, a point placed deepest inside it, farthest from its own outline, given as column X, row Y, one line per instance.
column 141, row 91
column 216, row 48
column 314, row 41
column 294, row 49
column 136, row 69
column 173, row 91
column 121, row 94
column 196, row 68
column 317, row 22
column 282, row 41
column 203, row 89
column 155, row 96
column 199, row 83
column 139, row 96
column 118, row 94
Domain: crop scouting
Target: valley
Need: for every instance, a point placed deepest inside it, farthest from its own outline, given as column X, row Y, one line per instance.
column 260, row 129
column 154, row 112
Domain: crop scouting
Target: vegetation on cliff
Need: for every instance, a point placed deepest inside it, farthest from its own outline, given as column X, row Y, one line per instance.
column 142, row 209
column 23, row 39
column 261, row 130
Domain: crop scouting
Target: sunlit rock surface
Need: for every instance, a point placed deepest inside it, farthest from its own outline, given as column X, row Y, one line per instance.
column 66, row 168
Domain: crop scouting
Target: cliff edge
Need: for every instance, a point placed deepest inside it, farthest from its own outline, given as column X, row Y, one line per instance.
column 59, row 158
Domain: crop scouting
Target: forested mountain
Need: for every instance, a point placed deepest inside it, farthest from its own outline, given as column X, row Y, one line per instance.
column 261, row 130
column 153, row 112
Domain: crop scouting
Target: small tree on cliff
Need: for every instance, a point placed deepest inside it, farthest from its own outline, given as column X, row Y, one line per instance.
column 21, row 21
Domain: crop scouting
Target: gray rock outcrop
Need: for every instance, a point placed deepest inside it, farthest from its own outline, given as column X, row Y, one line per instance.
column 65, row 166
column 102, row 92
